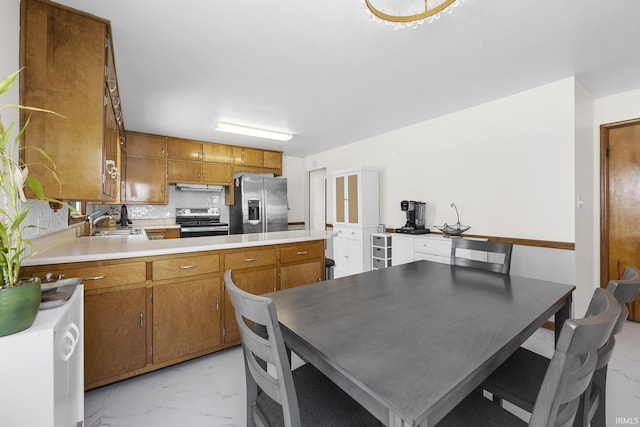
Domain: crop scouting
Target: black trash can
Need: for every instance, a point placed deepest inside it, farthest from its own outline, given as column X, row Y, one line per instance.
column 328, row 265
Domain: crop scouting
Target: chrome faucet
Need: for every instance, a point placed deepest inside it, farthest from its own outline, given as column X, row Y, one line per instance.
column 93, row 222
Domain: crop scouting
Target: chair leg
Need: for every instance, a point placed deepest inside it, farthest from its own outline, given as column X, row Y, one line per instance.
column 600, row 381
column 252, row 395
column 582, row 415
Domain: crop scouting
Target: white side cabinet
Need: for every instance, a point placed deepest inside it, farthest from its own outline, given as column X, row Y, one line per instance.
column 42, row 369
column 356, row 215
column 430, row 247
column 403, row 252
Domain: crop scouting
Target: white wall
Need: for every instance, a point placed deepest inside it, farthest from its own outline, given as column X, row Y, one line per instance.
column 10, row 46
column 293, row 170
column 586, row 278
column 508, row 165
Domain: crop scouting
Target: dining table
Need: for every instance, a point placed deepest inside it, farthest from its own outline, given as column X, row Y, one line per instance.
column 409, row 342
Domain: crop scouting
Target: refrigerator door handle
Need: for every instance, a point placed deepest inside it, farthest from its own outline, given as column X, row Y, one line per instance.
column 265, row 201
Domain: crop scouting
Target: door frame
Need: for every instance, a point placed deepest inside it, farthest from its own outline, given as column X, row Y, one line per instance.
column 604, row 195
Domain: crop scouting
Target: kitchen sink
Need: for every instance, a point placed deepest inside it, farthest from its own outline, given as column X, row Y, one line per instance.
column 120, row 232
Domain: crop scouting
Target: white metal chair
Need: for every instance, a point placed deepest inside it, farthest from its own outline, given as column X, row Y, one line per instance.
column 304, row 397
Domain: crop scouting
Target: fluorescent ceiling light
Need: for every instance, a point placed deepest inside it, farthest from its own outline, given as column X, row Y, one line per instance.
column 260, row 133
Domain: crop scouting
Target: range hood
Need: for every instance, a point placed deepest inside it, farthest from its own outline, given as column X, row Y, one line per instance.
column 199, row 187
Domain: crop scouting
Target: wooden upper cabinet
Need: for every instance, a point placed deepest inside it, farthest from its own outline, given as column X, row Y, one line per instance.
column 256, row 160
column 216, row 173
column 219, row 153
column 251, row 157
column 272, row 159
column 199, row 162
column 145, row 169
column 63, row 56
column 145, row 145
column 184, row 149
column 146, row 180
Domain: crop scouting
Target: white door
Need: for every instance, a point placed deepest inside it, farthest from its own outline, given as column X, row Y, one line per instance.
column 318, row 199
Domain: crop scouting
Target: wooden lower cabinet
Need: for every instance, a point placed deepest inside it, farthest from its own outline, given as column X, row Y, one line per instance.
column 301, row 264
column 162, row 233
column 257, row 282
column 186, row 318
column 301, row 274
column 115, row 331
column 145, row 313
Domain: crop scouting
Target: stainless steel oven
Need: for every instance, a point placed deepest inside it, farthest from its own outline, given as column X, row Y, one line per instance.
column 197, row 222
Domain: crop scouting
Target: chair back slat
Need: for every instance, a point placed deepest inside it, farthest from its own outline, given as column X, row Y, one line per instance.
column 574, row 362
column 504, row 249
column 259, row 350
column 258, row 345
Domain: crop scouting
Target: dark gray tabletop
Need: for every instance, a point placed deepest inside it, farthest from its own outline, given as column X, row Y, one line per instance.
column 411, row 341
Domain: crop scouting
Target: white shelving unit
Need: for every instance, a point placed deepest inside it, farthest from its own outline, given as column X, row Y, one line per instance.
column 380, row 250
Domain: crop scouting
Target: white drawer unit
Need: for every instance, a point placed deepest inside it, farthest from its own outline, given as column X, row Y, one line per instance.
column 351, row 250
column 42, row 369
column 431, row 247
column 380, row 251
column 436, row 248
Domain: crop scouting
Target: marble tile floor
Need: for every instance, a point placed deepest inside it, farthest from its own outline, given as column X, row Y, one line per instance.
column 209, row 391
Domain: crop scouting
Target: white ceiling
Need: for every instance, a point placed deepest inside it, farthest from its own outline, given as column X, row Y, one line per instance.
column 325, row 72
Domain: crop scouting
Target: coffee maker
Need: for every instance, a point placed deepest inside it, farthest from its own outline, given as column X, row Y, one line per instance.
column 415, row 212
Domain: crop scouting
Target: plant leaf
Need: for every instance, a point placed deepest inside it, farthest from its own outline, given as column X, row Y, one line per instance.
column 6, row 84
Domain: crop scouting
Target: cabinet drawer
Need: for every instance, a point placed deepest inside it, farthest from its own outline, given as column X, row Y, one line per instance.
column 381, row 240
column 101, row 276
column 249, row 259
column 186, row 266
column 348, row 233
column 435, row 258
column 433, row 247
column 381, row 252
column 381, row 263
column 301, row 252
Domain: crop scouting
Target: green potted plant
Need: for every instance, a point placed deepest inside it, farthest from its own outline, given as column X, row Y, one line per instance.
column 19, row 298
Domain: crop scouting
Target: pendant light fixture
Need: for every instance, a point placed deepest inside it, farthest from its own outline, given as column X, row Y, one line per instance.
column 408, row 13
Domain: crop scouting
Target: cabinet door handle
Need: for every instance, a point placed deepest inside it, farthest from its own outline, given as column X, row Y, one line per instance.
column 94, row 278
column 50, row 276
column 73, row 335
column 251, row 259
column 217, row 305
column 302, row 253
column 187, row 267
column 141, row 320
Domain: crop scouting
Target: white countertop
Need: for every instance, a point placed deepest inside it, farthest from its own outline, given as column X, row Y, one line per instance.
column 82, row 249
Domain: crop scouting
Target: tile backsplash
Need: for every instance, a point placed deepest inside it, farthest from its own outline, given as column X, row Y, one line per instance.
column 177, row 199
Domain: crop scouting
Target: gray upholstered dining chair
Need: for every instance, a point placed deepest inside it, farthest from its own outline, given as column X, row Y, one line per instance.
column 519, row 378
column 568, row 375
column 503, row 249
column 302, row 397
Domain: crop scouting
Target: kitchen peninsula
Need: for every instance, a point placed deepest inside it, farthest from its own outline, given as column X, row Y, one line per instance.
column 153, row 303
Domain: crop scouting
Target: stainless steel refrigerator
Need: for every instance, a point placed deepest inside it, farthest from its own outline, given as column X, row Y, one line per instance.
column 260, row 204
